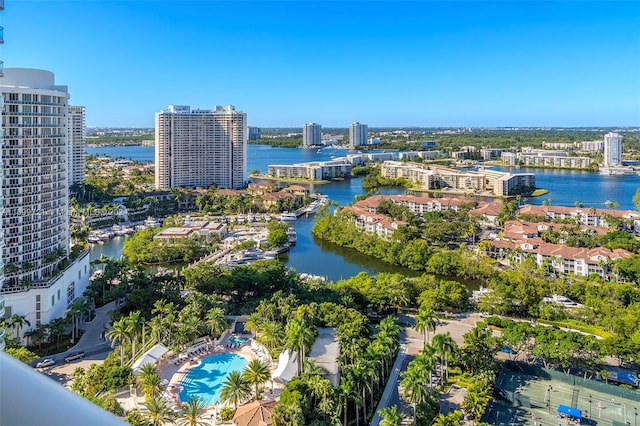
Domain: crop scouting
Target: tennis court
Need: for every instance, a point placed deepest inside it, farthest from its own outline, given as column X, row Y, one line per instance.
column 532, row 395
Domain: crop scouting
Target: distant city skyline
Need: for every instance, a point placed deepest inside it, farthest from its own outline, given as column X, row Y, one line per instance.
column 387, row 64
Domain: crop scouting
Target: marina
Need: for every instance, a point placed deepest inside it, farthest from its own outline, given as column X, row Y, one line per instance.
column 311, row 255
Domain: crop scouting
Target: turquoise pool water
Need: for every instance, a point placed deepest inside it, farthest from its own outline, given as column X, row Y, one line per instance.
column 205, row 380
column 237, row 340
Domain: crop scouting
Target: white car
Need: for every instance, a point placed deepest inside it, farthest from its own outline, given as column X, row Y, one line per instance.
column 47, row 362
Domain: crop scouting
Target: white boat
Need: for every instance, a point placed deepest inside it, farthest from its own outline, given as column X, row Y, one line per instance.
column 288, row 216
column 293, row 237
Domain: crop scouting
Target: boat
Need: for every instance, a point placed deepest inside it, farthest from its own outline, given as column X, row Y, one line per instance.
column 293, row 237
column 286, row 216
column 319, row 151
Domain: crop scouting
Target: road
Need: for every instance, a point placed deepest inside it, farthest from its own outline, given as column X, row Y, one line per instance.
column 91, row 342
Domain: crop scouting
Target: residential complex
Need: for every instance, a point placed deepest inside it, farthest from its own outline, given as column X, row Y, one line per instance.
column 358, row 134
column 77, row 155
column 612, row 149
column 199, row 148
column 40, row 282
column 431, row 176
column 311, row 135
column 321, row 170
column 545, row 158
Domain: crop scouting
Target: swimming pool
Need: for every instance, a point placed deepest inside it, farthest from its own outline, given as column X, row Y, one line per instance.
column 234, row 340
column 205, row 380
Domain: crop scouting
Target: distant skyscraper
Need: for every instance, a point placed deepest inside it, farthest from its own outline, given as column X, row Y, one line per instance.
column 40, row 280
column 255, row 133
column 612, row 149
column 199, row 148
column 77, row 132
column 358, row 134
column 311, row 135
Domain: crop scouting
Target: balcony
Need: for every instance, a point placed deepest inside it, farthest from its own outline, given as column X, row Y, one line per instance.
column 2, row 339
column 1, row 35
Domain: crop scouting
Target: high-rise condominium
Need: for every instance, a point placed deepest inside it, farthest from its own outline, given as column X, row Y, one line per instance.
column 311, row 134
column 612, row 149
column 200, row 148
column 358, row 134
column 40, row 279
column 77, row 132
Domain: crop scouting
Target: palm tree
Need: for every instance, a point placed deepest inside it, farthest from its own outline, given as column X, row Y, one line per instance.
column 18, row 321
column 390, row 416
column 76, row 310
column 216, row 321
column 299, row 336
column 425, row 322
column 193, row 412
column 159, row 411
column 120, row 333
column 234, row 389
column 256, row 373
column 149, row 381
column 414, row 388
column 445, row 346
column 134, row 323
column 474, row 404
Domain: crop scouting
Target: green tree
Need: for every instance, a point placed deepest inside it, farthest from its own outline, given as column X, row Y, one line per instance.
column 234, row 389
column 390, row 416
column 149, row 382
column 119, row 333
column 216, row 321
column 256, row 373
column 17, row 322
column 425, row 322
column 159, row 411
column 193, row 413
column 299, row 337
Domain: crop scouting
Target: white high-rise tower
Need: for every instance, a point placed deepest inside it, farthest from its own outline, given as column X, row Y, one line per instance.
column 200, row 148
column 311, row 135
column 358, row 134
column 612, row 149
column 77, row 155
column 41, row 280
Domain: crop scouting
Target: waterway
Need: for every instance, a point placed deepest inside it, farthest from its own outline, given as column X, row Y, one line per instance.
column 320, row 258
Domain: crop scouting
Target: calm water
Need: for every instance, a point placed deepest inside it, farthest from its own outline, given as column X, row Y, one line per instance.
column 320, row 258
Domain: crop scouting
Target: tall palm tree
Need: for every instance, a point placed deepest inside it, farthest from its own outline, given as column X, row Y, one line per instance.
column 256, row 373
column 299, row 337
column 445, row 346
column 18, row 321
column 159, row 411
column 76, row 310
column 414, row 388
column 234, row 389
column 193, row 413
column 425, row 322
column 119, row 332
column 216, row 321
column 390, row 416
column 134, row 324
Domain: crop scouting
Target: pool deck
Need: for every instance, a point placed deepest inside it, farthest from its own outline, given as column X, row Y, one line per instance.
column 174, row 374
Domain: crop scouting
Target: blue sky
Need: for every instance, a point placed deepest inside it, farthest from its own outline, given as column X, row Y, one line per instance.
column 416, row 63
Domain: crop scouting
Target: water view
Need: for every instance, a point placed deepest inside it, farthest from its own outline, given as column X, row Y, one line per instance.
column 316, row 257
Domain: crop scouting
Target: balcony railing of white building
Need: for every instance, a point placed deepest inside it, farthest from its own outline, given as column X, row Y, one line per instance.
column 44, row 283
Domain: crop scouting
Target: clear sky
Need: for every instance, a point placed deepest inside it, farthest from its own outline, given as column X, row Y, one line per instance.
column 383, row 63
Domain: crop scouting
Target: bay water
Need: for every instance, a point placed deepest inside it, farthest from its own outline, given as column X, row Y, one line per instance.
column 316, row 257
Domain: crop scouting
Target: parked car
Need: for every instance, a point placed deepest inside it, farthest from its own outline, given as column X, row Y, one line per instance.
column 73, row 356
column 47, row 362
